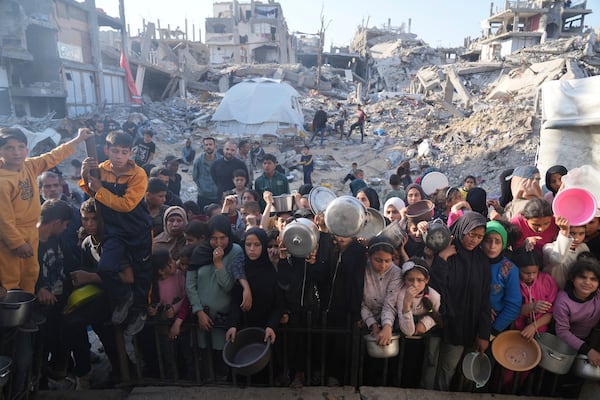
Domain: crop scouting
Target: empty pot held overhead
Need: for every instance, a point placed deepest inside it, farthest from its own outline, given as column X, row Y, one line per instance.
column 345, row 216
column 300, row 237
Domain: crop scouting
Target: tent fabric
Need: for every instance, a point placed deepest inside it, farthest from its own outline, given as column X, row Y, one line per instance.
column 570, row 124
column 571, row 102
column 257, row 107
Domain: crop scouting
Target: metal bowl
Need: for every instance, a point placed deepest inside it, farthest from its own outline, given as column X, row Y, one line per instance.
column 420, row 211
column 249, row 353
column 282, row 203
column 376, row 351
column 583, row 369
column 15, row 308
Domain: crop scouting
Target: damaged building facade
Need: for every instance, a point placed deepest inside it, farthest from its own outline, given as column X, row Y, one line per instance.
column 50, row 60
column 249, row 33
column 527, row 23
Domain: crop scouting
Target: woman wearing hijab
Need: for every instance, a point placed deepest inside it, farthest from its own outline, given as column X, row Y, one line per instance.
column 209, row 282
column 461, row 274
column 554, row 180
column 172, row 238
column 267, row 301
column 392, row 209
column 414, row 193
column 369, row 197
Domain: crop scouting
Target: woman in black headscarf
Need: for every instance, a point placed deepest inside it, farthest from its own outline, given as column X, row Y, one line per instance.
column 267, row 299
column 461, row 274
column 370, row 196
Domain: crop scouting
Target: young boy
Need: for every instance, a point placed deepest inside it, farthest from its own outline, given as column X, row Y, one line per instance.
column 20, row 199
column 358, row 182
column 127, row 226
column 562, row 253
column 240, row 181
column 144, row 148
column 155, row 198
column 306, row 160
column 396, row 191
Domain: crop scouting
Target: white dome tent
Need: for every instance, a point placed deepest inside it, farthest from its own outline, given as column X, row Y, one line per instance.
column 259, row 106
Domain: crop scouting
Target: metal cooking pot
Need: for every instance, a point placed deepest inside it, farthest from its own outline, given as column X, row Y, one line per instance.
column 300, row 237
column 557, row 356
column 583, row 369
column 373, row 226
column 422, row 210
column 249, row 353
column 15, row 308
column 285, row 202
column 477, row 368
column 395, row 233
column 437, row 237
column 345, row 216
column 376, row 351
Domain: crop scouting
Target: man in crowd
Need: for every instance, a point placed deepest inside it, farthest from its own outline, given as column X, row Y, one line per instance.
column 222, row 169
column 207, row 189
column 244, row 155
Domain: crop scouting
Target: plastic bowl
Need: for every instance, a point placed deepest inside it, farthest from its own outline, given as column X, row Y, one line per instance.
column 433, row 181
column 516, row 353
column 577, row 205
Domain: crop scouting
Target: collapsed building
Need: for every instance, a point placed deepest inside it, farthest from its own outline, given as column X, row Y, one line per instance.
column 50, row 60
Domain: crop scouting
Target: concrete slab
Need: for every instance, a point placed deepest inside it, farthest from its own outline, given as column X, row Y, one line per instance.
column 380, row 393
column 250, row 393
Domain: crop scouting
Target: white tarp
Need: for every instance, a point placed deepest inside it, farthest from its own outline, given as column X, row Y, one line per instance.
column 259, row 107
column 570, row 133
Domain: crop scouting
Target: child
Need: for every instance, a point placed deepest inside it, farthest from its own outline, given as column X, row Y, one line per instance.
column 538, row 291
column 536, row 222
column 468, row 183
column 554, row 176
column 127, row 226
column 196, row 233
column 505, row 295
column 358, row 182
column 560, row 254
column 250, row 212
column 418, row 312
column 188, row 153
column 397, row 190
column 240, row 181
column 20, row 199
column 171, row 163
column 352, row 174
column 170, row 303
column 144, row 149
column 155, row 197
column 577, row 308
column 257, row 154
column 184, row 256
column 306, row 160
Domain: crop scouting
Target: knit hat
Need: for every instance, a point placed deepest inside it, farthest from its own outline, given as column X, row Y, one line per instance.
column 496, row 227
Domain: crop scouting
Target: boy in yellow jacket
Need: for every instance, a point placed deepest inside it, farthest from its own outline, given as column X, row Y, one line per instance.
column 20, row 205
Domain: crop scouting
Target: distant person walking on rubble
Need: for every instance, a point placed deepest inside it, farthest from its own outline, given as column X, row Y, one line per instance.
column 319, row 124
column 359, row 123
column 340, row 119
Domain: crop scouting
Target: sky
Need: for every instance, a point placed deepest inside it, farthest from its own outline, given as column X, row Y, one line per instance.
column 440, row 23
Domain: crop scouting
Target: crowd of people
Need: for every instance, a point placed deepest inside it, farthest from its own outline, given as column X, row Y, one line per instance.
column 137, row 252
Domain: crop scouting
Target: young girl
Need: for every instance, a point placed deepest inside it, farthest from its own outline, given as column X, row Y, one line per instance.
column 577, row 308
column 170, row 303
column 554, row 176
column 418, row 312
column 392, row 208
column 417, row 304
column 536, row 222
column 505, row 297
column 461, row 274
column 538, row 291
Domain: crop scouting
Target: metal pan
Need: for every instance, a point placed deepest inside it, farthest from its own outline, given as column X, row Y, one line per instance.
column 319, row 198
column 374, row 224
column 345, row 216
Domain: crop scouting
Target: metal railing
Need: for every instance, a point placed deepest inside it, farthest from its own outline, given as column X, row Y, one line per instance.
column 318, row 359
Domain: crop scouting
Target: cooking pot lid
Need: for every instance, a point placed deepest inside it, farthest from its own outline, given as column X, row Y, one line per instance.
column 374, row 224
column 319, row 198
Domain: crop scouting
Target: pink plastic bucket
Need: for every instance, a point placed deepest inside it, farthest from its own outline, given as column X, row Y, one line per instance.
column 575, row 204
